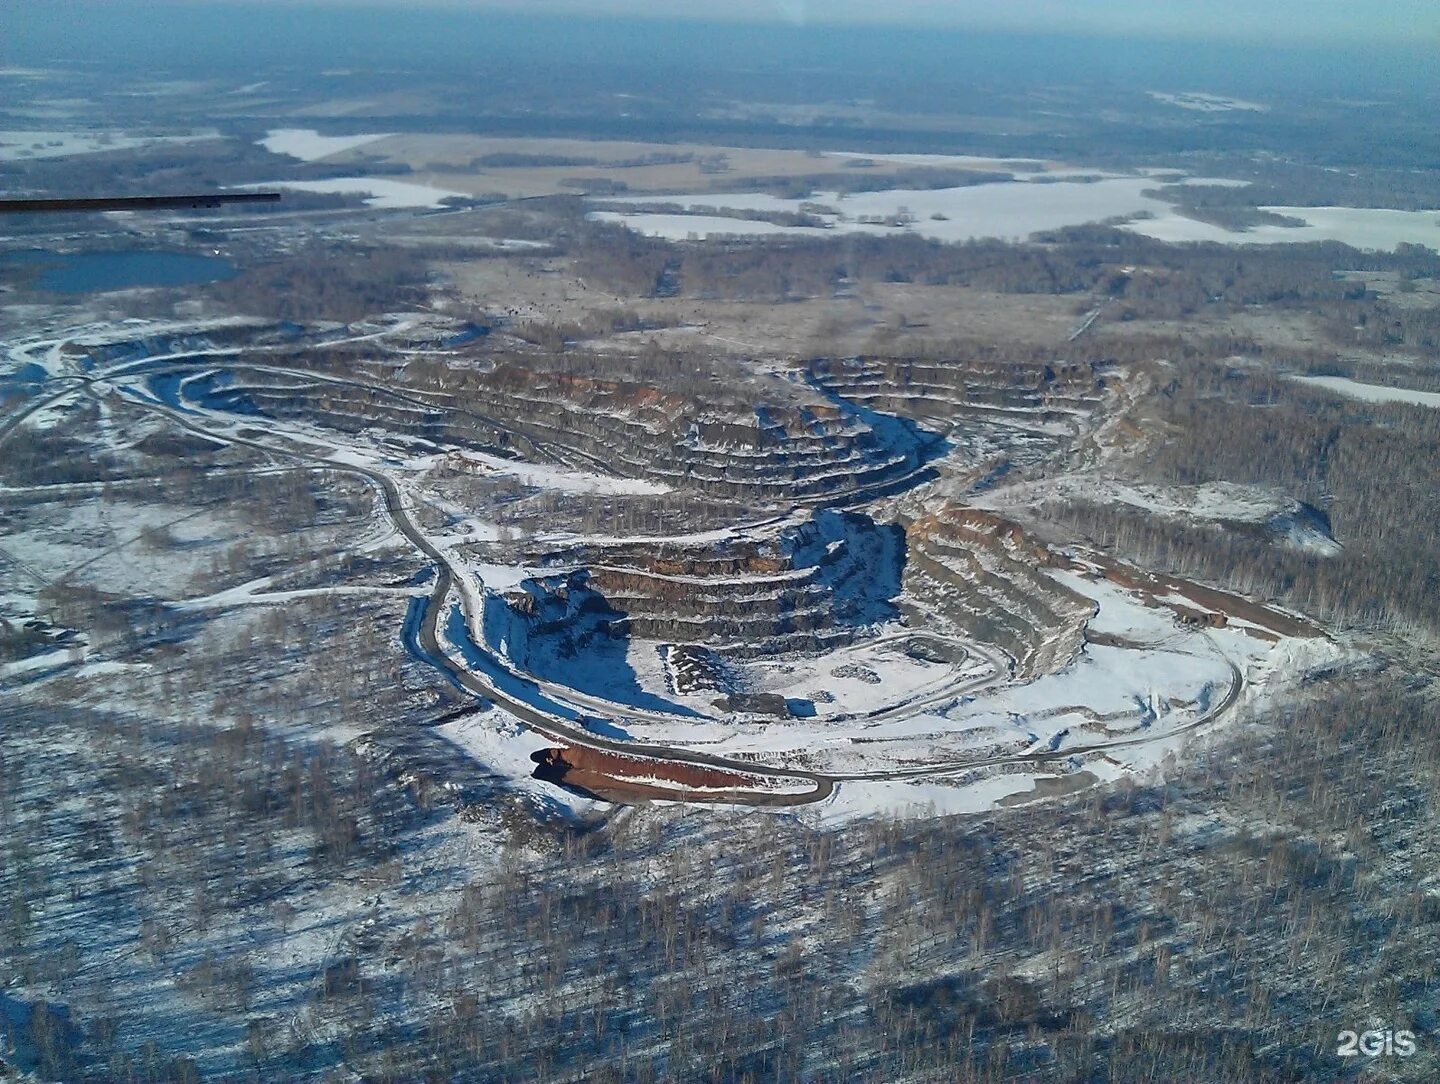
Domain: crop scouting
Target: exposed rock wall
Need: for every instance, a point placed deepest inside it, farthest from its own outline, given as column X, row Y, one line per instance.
column 810, row 587
column 779, row 445
column 980, row 574
column 1056, row 392
column 777, row 450
column 587, row 767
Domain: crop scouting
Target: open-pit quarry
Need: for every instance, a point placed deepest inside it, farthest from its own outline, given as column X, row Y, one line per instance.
column 840, row 624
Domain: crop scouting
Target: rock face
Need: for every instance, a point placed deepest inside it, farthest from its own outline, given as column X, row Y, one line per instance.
column 771, row 442
column 351, row 408
column 943, row 391
column 829, row 432
column 1020, row 410
column 981, row 576
column 755, row 704
column 791, row 445
column 590, row 768
column 833, row 431
column 809, row 587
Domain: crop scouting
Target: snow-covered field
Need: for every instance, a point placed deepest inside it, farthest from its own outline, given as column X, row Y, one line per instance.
column 1226, row 501
column 854, row 800
column 943, row 161
column 1371, row 393
column 1017, row 209
column 16, row 145
column 684, row 227
column 1011, row 210
column 1213, row 500
column 309, row 145
column 502, row 743
column 384, row 192
column 560, row 479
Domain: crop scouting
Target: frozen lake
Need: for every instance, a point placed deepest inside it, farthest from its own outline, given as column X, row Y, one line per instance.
column 1359, row 227
column 95, row 272
column 1010, row 210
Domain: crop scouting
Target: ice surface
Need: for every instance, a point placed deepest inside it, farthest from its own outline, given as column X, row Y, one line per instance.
column 1005, row 210
column 1373, row 228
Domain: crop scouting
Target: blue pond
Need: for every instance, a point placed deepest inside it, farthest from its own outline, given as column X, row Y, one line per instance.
column 95, row 272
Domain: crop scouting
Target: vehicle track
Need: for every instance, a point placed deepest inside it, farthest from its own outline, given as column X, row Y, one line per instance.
column 824, row 783
column 447, row 580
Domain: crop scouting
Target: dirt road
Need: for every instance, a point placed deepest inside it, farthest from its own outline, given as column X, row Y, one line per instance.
column 449, row 581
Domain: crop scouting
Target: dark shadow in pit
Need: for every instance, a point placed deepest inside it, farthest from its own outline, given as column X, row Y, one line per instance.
column 563, row 631
column 551, row 768
column 866, row 576
column 920, row 446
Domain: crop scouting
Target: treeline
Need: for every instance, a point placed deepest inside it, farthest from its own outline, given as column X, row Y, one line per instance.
column 1370, row 468
column 597, row 323
column 787, row 268
column 1380, row 324
column 1238, row 218
column 747, row 214
column 1274, row 182
column 1420, row 376
column 322, row 283
column 846, row 182
column 1167, row 281
column 206, row 165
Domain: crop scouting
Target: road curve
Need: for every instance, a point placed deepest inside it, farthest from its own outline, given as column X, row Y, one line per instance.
column 822, row 784
column 538, row 721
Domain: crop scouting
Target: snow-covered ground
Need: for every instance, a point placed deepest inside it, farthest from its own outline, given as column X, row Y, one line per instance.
column 682, row 227
column 309, row 145
column 113, row 546
column 943, row 161
column 873, row 675
column 1169, row 677
column 562, row 479
column 1006, row 210
column 1371, row 393
column 1213, row 500
column 1017, row 209
column 1288, row 519
column 501, row 742
column 1200, row 102
column 383, row 192
column 877, row 708
column 16, row 145
column 854, row 800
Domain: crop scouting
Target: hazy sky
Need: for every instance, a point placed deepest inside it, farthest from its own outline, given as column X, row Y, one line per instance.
column 1413, row 22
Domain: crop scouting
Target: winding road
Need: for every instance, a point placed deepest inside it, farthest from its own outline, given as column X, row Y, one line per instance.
column 449, row 580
